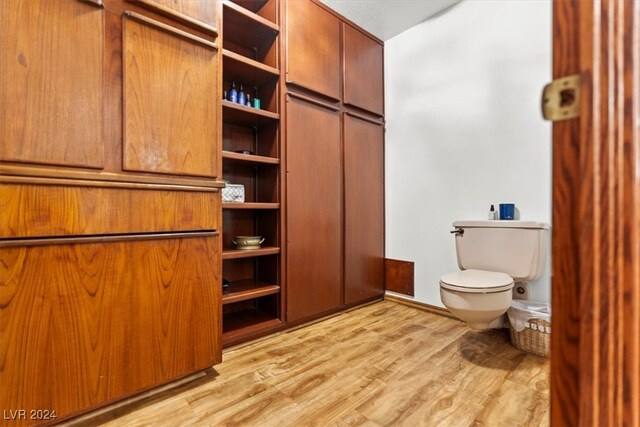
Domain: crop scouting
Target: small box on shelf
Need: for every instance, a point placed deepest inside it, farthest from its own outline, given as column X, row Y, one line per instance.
column 233, row 193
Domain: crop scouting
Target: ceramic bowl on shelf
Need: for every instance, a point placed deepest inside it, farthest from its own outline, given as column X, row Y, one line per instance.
column 248, row 242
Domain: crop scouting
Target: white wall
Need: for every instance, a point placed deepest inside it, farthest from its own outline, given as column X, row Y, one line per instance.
column 464, row 129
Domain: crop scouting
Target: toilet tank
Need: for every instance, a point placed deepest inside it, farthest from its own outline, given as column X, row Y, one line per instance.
column 517, row 248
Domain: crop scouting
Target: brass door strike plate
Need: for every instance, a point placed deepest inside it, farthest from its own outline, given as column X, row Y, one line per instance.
column 560, row 98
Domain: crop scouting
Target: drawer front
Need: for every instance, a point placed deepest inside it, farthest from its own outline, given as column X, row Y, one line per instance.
column 52, row 210
column 90, row 321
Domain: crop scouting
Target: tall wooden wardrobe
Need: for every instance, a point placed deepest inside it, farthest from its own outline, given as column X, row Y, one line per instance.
column 109, row 200
column 114, row 144
column 334, row 119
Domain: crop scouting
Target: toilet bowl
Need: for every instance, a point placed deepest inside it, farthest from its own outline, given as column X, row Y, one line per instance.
column 492, row 255
column 479, row 298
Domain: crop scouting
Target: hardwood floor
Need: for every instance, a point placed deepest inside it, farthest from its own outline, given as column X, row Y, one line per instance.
column 383, row 364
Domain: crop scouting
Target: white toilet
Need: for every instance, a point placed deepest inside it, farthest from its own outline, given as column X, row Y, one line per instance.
column 493, row 255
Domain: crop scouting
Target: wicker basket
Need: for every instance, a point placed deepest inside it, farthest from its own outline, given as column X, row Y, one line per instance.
column 535, row 339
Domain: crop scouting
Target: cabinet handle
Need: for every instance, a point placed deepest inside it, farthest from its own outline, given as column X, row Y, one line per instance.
column 97, row 3
column 177, row 16
column 164, row 27
column 61, row 240
column 365, row 118
column 314, row 101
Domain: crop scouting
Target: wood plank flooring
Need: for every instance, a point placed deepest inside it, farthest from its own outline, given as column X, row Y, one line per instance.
column 383, row 364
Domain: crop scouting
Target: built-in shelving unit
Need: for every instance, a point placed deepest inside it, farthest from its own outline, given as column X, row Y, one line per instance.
column 251, row 157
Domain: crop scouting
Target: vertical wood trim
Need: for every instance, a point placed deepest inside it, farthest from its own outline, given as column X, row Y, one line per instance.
column 565, row 339
column 595, row 366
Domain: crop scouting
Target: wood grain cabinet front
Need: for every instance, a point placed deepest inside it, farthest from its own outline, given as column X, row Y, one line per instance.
column 312, row 48
column 200, row 14
column 88, row 321
column 57, row 210
column 363, row 80
column 314, row 204
column 51, row 84
column 170, row 81
column 364, row 209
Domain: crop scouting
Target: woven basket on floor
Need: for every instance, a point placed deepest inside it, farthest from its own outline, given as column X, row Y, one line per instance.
column 535, row 339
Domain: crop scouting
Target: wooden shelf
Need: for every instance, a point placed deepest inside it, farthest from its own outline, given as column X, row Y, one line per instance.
column 252, row 5
column 251, row 205
column 246, row 116
column 247, row 71
column 248, row 253
column 247, row 289
column 244, row 324
column 249, row 158
column 245, row 28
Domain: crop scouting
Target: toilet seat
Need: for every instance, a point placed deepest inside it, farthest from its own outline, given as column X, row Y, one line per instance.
column 477, row 281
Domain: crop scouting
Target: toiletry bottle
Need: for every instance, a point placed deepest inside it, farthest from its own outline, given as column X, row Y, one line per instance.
column 256, row 100
column 233, row 93
column 492, row 213
column 224, row 95
column 248, row 104
column 242, row 98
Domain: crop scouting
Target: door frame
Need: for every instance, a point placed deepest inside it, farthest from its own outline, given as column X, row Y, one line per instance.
column 595, row 348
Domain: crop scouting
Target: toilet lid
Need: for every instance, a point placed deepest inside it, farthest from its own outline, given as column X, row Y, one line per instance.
column 477, row 281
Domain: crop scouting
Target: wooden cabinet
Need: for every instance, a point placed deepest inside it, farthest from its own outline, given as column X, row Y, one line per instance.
column 364, row 208
column 170, row 87
column 334, row 161
column 51, row 88
column 314, row 200
column 110, row 253
column 252, row 303
column 89, row 320
column 201, row 14
column 313, row 48
column 363, row 70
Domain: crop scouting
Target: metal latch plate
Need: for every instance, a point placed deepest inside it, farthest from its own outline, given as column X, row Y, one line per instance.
column 560, row 98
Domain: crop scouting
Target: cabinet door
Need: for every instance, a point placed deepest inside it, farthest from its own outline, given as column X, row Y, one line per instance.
column 191, row 12
column 314, row 200
column 363, row 70
column 51, row 90
column 364, row 209
column 86, row 323
column 313, row 48
column 170, row 98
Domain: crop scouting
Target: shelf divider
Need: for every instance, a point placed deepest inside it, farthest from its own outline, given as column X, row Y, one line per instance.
column 249, row 158
column 251, row 205
column 246, row 116
column 247, row 289
column 230, row 253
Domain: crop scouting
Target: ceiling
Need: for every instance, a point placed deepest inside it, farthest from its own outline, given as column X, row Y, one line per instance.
column 387, row 18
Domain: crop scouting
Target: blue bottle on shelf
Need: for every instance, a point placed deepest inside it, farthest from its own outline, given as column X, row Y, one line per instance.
column 233, row 93
column 242, row 98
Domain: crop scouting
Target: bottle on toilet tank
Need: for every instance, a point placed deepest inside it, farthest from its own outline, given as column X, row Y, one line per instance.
column 493, row 214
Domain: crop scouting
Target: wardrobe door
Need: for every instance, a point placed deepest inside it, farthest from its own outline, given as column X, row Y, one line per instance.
column 364, row 209
column 51, row 91
column 313, row 48
column 363, row 71
column 314, row 200
column 170, row 90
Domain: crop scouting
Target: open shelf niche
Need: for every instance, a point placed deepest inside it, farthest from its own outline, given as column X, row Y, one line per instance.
column 251, row 157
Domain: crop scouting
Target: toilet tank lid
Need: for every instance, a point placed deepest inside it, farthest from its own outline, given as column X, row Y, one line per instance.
column 503, row 224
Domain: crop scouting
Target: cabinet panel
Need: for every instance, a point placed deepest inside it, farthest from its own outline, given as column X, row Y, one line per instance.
column 313, row 48
column 85, row 323
column 314, row 251
column 51, row 91
column 364, row 209
column 363, row 70
column 54, row 210
column 203, row 11
column 170, row 98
